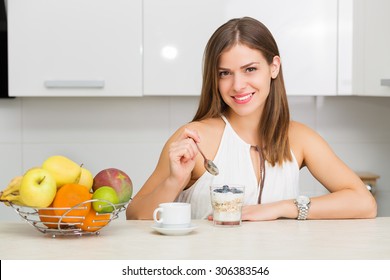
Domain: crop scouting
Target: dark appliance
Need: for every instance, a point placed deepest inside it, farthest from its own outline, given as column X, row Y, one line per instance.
column 3, row 52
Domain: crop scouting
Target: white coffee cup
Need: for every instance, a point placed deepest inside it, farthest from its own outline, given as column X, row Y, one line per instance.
column 173, row 215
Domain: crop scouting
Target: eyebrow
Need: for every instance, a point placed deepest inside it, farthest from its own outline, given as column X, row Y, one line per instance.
column 241, row 67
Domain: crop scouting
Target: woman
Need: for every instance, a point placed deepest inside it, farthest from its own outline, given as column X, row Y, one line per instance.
column 243, row 124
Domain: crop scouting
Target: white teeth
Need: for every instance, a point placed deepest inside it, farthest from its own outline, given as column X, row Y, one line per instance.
column 244, row 97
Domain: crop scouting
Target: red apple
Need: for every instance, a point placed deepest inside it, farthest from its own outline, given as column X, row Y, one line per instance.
column 116, row 179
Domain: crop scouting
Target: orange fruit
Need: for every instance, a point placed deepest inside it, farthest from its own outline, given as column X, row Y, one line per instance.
column 72, row 195
column 48, row 217
column 94, row 221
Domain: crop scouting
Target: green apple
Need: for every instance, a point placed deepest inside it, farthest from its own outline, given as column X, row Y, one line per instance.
column 63, row 169
column 38, row 188
column 106, row 196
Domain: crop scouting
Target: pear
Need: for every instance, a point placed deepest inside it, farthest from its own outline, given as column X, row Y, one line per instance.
column 63, row 169
column 86, row 178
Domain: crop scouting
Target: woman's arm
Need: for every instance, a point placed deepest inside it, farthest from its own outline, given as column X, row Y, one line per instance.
column 172, row 174
column 348, row 197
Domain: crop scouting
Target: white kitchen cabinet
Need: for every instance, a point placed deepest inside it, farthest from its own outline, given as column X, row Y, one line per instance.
column 364, row 56
column 176, row 32
column 75, row 47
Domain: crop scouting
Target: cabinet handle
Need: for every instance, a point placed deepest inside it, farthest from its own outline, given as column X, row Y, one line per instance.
column 385, row 82
column 74, row 84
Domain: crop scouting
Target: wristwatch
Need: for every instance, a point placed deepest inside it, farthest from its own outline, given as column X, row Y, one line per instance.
column 303, row 204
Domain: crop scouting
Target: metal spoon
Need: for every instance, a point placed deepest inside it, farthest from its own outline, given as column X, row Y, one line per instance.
column 208, row 164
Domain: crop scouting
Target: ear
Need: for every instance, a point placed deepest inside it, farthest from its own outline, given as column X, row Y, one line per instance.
column 275, row 66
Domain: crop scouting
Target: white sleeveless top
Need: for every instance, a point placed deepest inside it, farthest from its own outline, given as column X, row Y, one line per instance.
column 235, row 167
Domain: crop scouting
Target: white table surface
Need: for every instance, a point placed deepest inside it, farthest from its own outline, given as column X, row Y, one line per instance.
column 273, row 240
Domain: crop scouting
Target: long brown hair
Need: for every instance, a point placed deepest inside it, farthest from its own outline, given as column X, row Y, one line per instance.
column 275, row 118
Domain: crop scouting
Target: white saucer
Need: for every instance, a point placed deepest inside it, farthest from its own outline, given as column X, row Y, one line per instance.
column 174, row 231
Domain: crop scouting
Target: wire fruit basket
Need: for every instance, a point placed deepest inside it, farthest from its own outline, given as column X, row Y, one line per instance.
column 70, row 222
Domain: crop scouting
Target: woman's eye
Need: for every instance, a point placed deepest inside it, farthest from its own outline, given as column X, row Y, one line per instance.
column 251, row 69
column 223, row 74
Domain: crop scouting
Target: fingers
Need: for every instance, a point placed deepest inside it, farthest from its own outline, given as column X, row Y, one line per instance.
column 189, row 133
column 183, row 150
column 183, row 153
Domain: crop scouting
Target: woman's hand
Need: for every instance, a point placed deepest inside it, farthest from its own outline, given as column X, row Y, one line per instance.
column 259, row 212
column 269, row 211
column 182, row 155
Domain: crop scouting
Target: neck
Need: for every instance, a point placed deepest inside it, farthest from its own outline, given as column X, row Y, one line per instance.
column 247, row 127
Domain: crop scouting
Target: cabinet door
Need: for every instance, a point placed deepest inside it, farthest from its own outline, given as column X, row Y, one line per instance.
column 176, row 32
column 75, row 47
column 377, row 47
column 369, row 70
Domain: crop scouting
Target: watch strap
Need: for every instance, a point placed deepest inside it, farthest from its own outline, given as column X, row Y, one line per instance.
column 303, row 207
column 303, row 212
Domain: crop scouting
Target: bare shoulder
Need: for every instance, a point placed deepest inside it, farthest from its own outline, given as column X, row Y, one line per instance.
column 207, row 129
column 206, row 123
column 303, row 140
column 299, row 132
column 210, row 132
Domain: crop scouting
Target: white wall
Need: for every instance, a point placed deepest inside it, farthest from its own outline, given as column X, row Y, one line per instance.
column 128, row 133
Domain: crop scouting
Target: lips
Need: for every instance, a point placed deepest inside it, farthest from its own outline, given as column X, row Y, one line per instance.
column 243, row 98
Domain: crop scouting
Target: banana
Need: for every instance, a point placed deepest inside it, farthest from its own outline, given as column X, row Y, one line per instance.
column 13, row 186
column 11, row 193
column 13, row 198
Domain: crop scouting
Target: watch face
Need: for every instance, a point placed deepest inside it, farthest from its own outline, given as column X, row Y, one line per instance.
column 303, row 199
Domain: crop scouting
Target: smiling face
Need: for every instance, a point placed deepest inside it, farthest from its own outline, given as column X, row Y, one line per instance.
column 245, row 78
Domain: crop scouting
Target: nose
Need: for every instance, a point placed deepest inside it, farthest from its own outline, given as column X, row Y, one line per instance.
column 239, row 82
